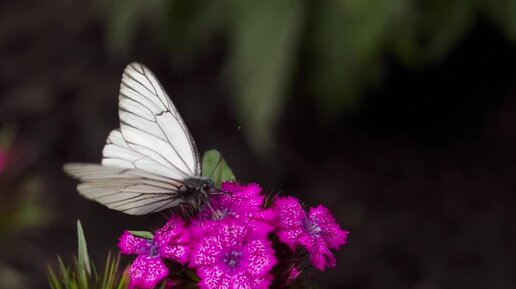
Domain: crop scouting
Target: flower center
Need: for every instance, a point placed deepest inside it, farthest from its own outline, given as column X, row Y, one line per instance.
column 151, row 249
column 311, row 227
column 232, row 259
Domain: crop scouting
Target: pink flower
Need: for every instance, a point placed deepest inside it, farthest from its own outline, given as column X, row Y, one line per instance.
column 3, row 160
column 233, row 255
column 169, row 242
column 318, row 232
column 238, row 201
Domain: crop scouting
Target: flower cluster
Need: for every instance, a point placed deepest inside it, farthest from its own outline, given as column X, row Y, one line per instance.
column 232, row 243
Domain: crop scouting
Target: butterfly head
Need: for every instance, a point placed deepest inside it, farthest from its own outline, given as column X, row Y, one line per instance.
column 206, row 187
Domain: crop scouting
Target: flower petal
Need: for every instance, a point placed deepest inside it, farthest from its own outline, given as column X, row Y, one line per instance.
column 291, row 237
column 244, row 190
column 130, row 244
column 331, row 232
column 320, row 255
column 173, row 229
column 173, row 240
column 232, row 232
column 260, row 257
column 205, row 252
column 146, row 272
column 244, row 280
column 177, row 252
column 268, row 215
column 214, row 278
column 290, row 213
column 242, row 198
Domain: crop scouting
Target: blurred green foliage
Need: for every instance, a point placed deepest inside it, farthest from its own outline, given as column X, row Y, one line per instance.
column 333, row 48
column 21, row 208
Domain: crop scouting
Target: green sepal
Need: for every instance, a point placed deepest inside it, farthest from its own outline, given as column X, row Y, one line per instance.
column 142, row 234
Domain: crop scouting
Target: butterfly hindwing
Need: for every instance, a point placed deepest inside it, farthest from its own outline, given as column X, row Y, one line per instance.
column 131, row 191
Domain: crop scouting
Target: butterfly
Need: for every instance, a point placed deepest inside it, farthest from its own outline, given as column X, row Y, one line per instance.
column 151, row 162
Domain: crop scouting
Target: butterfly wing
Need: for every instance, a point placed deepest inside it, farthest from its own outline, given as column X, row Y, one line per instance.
column 131, row 191
column 118, row 153
column 151, row 125
column 145, row 161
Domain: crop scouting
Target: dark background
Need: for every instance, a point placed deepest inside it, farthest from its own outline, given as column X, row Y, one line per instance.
column 400, row 117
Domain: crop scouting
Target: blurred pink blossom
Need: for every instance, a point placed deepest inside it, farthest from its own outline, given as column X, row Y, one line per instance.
column 3, row 160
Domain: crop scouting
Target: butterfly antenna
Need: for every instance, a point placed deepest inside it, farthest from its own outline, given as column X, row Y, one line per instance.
column 209, row 206
column 219, row 193
column 213, row 211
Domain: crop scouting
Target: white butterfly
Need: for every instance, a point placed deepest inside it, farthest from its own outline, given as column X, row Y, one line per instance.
column 151, row 163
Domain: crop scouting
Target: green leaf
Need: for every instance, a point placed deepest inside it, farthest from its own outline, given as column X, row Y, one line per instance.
column 53, row 280
column 215, row 167
column 75, row 277
column 84, row 259
column 142, row 234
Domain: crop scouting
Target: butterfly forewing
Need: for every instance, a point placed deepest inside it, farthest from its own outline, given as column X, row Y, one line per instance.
column 147, row 161
column 164, row 137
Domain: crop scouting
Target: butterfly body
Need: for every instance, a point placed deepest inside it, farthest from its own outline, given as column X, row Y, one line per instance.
column 197, row 191
column 151, row 162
